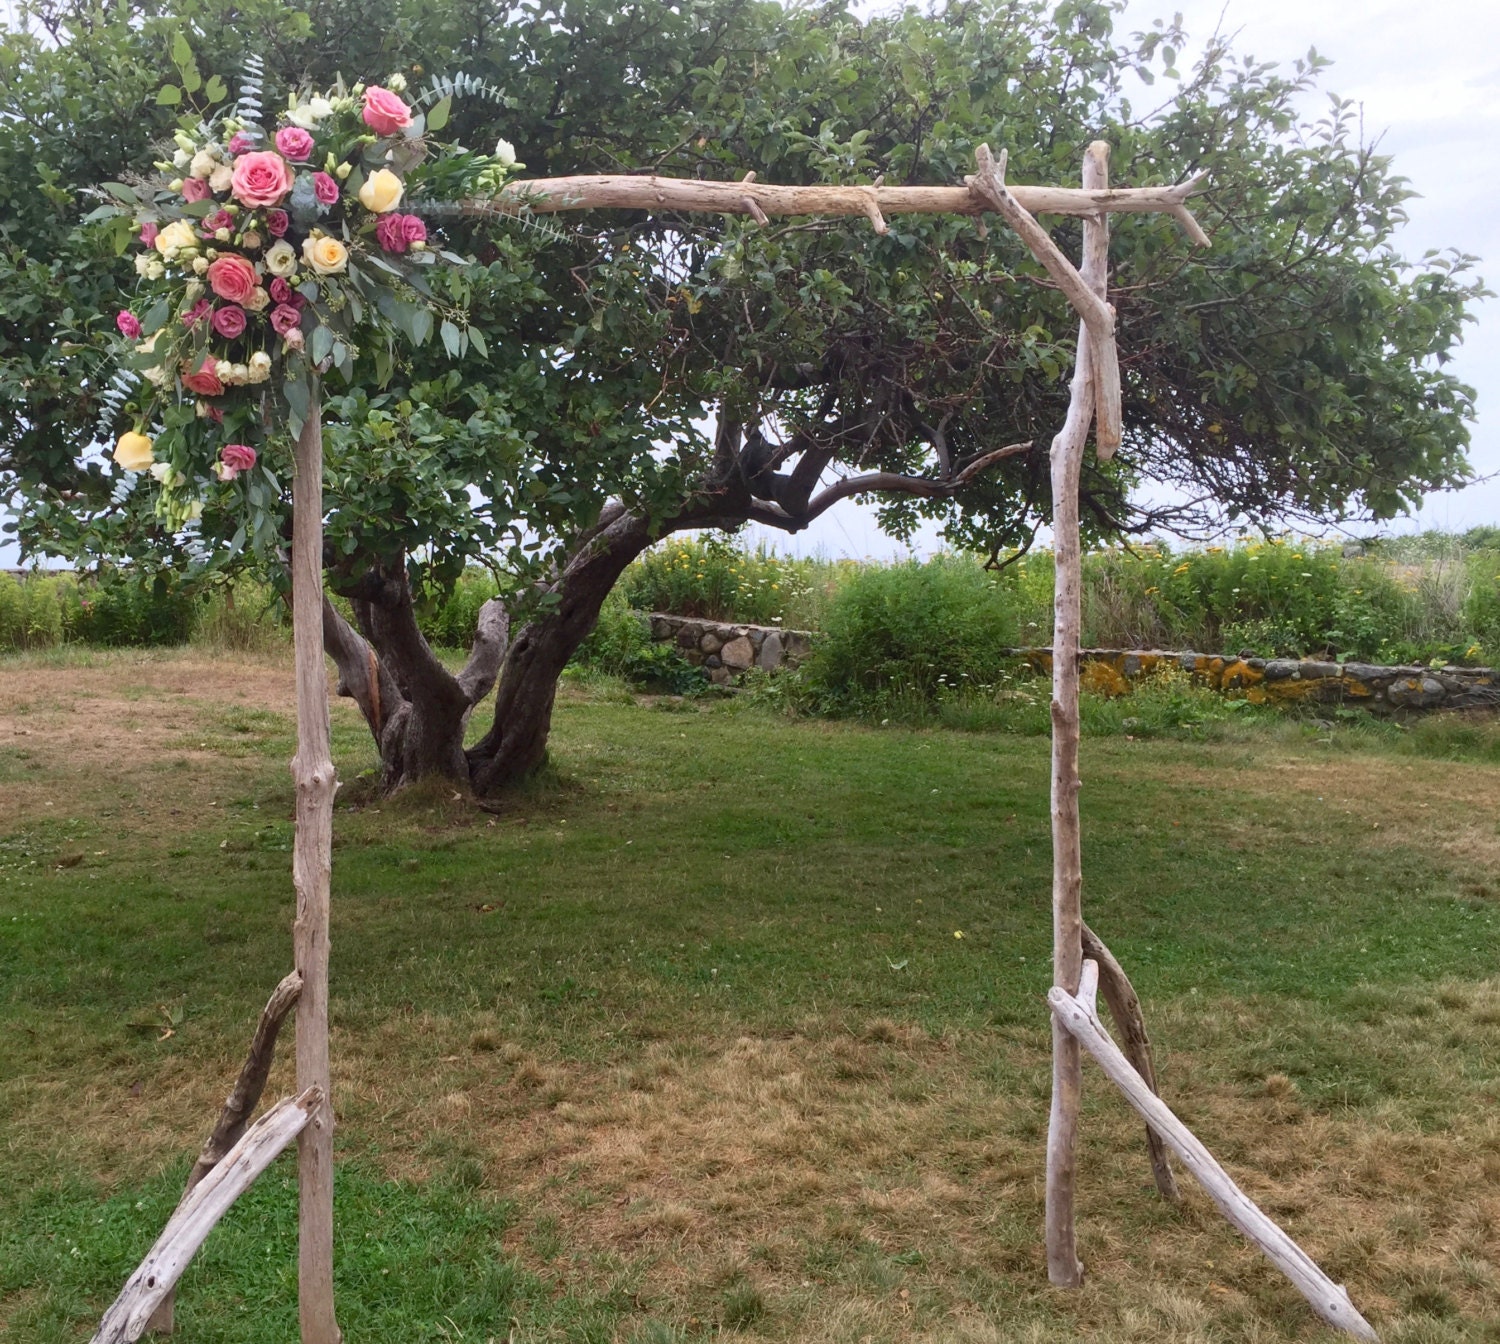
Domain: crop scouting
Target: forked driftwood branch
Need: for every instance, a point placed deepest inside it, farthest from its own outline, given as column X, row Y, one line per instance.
column 194, row 1219
column 1326, row 1297
column 1130, row 1022
column 238, row 1107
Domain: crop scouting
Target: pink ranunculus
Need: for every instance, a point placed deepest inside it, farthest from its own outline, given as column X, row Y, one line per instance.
column 385, row 114
column 281, row 292
column 325, row 188
column 237, row 457
column 295, row 143
column 231, row 277
column 149, row 230
column 285, row 318
column 128, row 323
column 413, row 230
column 220, row 219
column 205, row 382
column 197, row 313
column 277, row 222
column 240, row 143
column 261, row 178
column 229, row 322
column 389, row 233
column 196, row 189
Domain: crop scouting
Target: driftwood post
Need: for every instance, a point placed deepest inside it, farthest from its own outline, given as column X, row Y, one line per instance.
column 312, row 864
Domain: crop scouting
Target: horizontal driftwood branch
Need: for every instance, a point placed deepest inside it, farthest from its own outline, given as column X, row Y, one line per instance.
column 760, row 200
column 194, row 1219
column 1326, row 1297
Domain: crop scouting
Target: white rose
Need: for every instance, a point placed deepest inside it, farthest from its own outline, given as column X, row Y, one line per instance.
column 155, row 268
column 260, row 366
column 281, row 258
column 203, row 164
column 142, row 261
column 505, row 154
column 221, row 179
column 222, row 370
column 396, row 83
column 200, row 264
column 160, row 471
column 241, row 375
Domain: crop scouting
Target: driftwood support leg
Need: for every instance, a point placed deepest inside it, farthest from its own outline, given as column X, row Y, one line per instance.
column 194, row 1219
column 312, row 865
column 238, row 1107
column 1130, row 1022
column 1328, row 1299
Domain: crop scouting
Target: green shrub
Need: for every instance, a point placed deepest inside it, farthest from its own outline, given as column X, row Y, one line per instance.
column 620, row 645
column 716, row 580
column 898, row 638
column 119, row 610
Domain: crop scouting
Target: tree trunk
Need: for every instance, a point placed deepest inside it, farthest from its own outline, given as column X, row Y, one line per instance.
column 416, row 709
column 517, row 742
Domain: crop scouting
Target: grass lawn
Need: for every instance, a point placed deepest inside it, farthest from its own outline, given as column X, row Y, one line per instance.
column 736, row 1023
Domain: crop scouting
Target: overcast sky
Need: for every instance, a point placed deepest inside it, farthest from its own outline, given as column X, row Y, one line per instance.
column 1428, row 76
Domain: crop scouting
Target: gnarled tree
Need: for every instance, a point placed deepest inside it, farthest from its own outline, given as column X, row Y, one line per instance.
column 643, row 373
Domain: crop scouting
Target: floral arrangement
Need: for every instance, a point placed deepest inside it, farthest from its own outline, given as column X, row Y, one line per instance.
column 268, row 258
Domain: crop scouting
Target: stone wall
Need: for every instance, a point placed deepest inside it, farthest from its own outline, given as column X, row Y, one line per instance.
column 725, row 651
column 1284, row 680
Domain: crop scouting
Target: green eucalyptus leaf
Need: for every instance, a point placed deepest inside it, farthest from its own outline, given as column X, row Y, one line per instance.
column 438, row 117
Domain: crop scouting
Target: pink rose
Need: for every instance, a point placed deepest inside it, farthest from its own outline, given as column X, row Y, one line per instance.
column 196, row 189
column 220, row 219
column 197, row 313
column 239, row 142
column 385, row 114
column 389, row 233
column 325, row 189
column 260, row 179
column 232, row 278
column 229, row 322
column 205, row 382
column 281, row 292
column 413, row 230
column 292, row 339
column 149, row 230
column 128, row 323
column 285, row 318
column 214, row 413
column 295, row 143
column 237, row 456
column 277, row 222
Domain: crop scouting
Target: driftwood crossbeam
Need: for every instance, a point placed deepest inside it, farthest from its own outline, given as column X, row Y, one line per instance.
column 235, row 1155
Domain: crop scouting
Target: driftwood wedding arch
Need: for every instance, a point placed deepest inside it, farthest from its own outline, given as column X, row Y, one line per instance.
column 237, row 1152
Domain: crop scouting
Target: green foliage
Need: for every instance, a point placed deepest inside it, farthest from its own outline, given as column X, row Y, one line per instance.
column 620, row 645
column 909, row 633
column 713, row 578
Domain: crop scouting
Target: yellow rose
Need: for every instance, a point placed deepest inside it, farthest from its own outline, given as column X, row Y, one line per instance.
column 177, row 235
column 133, row 452
column 380, row 192
column 327, row 256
